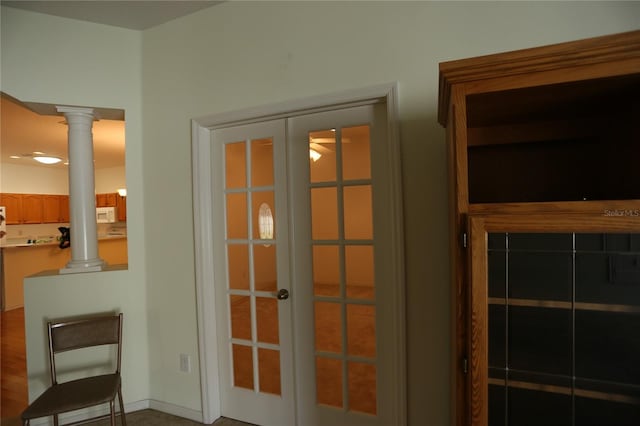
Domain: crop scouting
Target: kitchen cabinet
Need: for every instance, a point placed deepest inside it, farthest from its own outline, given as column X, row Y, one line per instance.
column 121, row 204
column 113, row 199
column 55, row 209
column 13, row 204
column 545, row 229
column 35, row 208
column 32, row 208
column 106, row 200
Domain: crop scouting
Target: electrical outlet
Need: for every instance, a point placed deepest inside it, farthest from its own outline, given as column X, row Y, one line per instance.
column 185, row 363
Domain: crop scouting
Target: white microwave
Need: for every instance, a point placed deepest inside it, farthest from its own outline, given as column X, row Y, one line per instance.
column 106, row 215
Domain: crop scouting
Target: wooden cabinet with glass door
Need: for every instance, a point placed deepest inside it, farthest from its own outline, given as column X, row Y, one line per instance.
column 544, row 133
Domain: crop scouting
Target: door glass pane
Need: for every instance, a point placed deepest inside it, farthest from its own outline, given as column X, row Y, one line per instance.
column 358, row 220
column 361, row 330
column 235, row 165
column 258, row 198
column 564, row 312
column 326, row 271
column 322, row 156
column 362, row 387
column 359, row 272
column 269, row 370
column 252, row 265
column 341, row 211
column 240, row 317
column 328, row 327
column 264, row 267
column 242, row 366
column 267, row 319
column 238, row 267
column 329, row 381
column 356, row 155
column 237, row 216
column 262, row 162
column 324, row 214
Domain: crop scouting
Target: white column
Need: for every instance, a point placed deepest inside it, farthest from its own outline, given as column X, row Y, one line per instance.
column 82, row 198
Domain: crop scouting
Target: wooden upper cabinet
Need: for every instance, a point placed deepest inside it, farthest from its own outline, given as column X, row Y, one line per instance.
column 35, row 208
column 113, row 199
column 55, row 208
column 106, row 200
column 13, row 204
column 121, row 204
column 541, row 130
column 32, row 208
column 556, row 123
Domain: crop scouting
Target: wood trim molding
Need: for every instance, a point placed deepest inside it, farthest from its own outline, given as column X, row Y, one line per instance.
column 591, row 51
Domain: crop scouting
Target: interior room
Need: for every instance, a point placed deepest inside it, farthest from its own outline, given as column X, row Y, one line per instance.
column 250, row 57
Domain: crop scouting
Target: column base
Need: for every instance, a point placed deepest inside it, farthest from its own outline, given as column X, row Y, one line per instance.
column 79, row 266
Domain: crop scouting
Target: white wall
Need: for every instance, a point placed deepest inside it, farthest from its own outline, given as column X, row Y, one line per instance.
column 53, row 60
column 245, row 54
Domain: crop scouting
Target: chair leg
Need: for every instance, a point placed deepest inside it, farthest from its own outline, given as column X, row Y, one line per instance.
column 122, row 417
column 55, row 420
column 112, row 405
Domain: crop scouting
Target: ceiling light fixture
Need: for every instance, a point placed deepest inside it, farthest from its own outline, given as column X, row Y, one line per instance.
column 47, row 159
column 314, row 155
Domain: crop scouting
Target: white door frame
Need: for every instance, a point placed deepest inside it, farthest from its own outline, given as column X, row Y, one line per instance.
column 201, row 129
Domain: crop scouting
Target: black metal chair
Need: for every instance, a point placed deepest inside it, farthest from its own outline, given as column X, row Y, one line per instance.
column 87, row 391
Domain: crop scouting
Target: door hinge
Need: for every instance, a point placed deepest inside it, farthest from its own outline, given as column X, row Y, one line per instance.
column 463, row 239
column 465, row 365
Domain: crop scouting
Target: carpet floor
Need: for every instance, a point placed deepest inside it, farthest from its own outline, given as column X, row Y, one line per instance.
column 146, row 418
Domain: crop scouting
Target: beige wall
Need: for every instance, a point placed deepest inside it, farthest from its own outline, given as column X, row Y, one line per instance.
column 53, row 60
column 41, row 180
column 245, row 54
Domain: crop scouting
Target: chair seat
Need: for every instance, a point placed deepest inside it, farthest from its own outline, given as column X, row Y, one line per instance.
column 74, row 395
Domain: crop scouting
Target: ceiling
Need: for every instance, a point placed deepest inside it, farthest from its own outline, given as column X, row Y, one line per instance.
column 132, row 14
column 24, row 131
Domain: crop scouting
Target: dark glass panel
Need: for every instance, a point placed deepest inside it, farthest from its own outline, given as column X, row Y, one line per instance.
column 497, row 401
column 617, row 242
column 540, row 276
column 497, row 335
column 536, row 408
column 541, row 242
column 540, row 339
column 607, row 346
column 497, row 241
column 589, row 242
column 497, row 263
column 596, row 412
column 608, row 278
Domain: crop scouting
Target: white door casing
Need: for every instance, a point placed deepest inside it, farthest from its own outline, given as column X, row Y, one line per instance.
column 390, row 297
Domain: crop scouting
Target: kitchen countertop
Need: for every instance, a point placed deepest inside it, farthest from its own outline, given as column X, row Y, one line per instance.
column 22, row 242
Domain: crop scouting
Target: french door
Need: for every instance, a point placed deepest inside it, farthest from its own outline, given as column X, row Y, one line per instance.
column 555, row 320
column 302, row 289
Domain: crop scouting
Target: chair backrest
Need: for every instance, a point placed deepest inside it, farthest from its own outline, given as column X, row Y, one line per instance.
column 84, row 333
